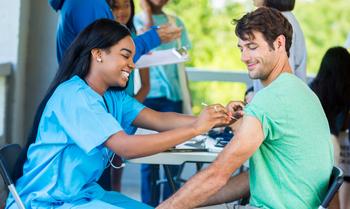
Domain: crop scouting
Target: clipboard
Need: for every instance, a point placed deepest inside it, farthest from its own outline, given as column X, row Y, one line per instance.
column 163, row 57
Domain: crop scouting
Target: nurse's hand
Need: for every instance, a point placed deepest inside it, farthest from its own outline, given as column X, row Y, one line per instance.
column 211, row 116
column 235, row 108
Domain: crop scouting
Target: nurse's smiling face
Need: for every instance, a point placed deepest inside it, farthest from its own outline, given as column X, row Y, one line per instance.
column 115, row 64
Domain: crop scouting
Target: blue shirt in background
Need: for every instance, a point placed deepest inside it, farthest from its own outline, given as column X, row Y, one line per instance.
column 75, row 15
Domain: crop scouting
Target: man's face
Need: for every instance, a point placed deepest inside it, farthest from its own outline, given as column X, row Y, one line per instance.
column 259, row 57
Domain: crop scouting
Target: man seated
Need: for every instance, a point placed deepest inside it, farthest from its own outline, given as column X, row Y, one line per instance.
column 284, row 131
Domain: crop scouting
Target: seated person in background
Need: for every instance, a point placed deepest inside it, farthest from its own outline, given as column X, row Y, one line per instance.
column 278, row 133
column 85, row 118
column 332, row 86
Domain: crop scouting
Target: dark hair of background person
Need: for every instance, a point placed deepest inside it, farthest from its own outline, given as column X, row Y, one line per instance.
column 130, row 23
column 332, row 84
column 101, row 34
column 268, row 21
column 281, row 5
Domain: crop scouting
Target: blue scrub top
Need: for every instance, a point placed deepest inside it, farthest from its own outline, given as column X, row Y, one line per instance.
column 68, row 156
column 75, row 15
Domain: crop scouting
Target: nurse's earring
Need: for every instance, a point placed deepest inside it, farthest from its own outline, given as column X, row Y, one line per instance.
column 98, row 59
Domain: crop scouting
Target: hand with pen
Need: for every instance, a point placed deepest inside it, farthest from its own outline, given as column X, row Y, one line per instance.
column 212, row 116
column 168, row 32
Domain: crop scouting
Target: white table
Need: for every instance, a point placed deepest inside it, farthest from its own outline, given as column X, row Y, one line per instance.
column 179, row 157
column 176, row 158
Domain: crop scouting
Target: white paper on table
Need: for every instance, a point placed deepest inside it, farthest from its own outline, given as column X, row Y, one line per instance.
column 161, row 57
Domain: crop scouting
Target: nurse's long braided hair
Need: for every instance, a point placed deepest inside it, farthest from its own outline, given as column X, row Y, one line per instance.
column 101, row 34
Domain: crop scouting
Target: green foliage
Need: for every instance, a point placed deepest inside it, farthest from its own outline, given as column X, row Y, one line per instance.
column 325, row 24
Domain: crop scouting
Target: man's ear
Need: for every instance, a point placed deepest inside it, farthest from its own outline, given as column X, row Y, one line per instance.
column 280, row 42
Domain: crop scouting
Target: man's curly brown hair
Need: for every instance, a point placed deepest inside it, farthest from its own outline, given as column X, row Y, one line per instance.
column 268, row 21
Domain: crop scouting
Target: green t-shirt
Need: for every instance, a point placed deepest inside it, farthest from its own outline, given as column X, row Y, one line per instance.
column 291, row 168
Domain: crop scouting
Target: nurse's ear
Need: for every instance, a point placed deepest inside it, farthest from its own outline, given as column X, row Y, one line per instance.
column 96, row 55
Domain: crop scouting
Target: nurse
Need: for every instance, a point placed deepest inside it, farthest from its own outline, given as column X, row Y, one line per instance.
column 77, row 128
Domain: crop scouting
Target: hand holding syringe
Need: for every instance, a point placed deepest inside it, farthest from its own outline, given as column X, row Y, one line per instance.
column 234, row 117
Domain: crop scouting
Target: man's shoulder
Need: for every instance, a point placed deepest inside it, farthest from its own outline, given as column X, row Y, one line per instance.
column 273, row 95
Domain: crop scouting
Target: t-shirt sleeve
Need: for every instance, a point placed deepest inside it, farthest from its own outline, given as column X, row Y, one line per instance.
column 124, row 108
column 254, row 111
column 131, row 109
column 267, row 111
column 86, row 121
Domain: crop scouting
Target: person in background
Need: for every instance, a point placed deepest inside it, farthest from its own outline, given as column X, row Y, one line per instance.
column 165, row 94
column 73, row 140
column 75, row 15
column 285, row 169
column 332, row 86
column 298, row 53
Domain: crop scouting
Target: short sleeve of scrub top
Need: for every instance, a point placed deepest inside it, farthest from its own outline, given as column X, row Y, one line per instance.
column 124, row 108
column 82, row 119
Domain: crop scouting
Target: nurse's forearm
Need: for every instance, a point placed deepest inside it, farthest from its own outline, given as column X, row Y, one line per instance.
column 170, row 120
column 162, row 121
column 132, row 146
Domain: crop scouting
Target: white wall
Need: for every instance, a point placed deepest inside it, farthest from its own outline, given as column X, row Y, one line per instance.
column 9, row 36
column 27, row 40
column 13, row 33
column 41, row 63
column 13, row 25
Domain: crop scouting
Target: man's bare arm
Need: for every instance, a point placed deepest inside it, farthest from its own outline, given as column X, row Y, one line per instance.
column 236, row 188
column 206, row 183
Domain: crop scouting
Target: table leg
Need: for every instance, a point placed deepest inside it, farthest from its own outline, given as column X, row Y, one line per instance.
column 170, row 178
column 199, row 166
column 154, row 171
